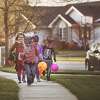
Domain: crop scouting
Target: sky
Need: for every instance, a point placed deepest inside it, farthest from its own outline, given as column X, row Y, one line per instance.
column 54, row 2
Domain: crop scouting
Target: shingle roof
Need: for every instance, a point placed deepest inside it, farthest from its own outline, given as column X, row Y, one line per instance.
column 89, row 9
column 69, row 19
column 43, row 16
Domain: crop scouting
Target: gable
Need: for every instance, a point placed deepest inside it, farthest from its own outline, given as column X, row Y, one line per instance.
column 62, row 24
column 89, row 9
column 77, row 16
column 62, row 18
column 73, row 9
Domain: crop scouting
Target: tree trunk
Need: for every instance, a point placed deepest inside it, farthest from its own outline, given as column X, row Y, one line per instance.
column 6, row 29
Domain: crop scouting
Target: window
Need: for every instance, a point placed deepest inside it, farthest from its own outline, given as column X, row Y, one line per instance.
column 62, row 34
column 62, row 31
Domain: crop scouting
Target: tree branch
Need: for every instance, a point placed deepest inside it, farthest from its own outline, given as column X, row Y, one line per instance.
column 1, row 8
column 13, row 2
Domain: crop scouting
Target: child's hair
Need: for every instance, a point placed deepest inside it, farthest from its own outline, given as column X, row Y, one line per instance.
column 35, row 38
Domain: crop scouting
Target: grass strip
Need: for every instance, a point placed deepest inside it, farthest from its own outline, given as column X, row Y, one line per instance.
column 84, row 87
column 8, row 89
column 8, row 69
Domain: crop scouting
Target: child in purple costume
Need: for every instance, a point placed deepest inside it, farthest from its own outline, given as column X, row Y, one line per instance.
column 38, row 57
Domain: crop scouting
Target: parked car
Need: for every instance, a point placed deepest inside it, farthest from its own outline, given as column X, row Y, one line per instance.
column 92, row 61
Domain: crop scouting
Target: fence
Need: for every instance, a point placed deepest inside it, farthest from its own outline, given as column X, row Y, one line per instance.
column 2, row 55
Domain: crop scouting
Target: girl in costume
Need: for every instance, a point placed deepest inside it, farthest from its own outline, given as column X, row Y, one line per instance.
column 18, row 48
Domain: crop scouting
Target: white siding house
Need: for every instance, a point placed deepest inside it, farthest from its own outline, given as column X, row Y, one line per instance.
column 75, row 14
column 76, row 23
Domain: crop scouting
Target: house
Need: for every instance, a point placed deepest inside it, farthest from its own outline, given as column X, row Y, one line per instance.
column 70, row 26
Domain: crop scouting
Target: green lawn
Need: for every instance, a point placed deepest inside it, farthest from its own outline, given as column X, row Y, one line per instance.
column 8, row 69
column 8, row 89
column 80, row 59
column 84, row 87
column 71, row 55
column 78, row 72
column 71, row 52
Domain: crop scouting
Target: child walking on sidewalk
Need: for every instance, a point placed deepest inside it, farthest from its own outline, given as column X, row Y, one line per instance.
column 18, row 48
column 48, row 56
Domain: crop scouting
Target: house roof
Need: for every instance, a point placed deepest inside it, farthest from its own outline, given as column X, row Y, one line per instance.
column 89, row 9
column 43, row 16
column 69, row 19
column 62, row 18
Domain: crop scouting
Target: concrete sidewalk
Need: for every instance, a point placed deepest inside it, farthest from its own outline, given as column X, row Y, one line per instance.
column 41, row 90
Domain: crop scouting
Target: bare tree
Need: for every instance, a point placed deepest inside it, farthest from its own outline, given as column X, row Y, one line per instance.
column 9, row 7
column 11, row 10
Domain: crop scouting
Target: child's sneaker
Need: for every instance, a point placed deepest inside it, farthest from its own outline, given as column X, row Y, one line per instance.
column 24, row 81
column 19, row 82
column 48, row 79
column 38, row 80
column 29, row 82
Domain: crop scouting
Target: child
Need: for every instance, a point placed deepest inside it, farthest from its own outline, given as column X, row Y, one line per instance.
column 18, row 48
column 48, row 57
column 38, row 56
column 29, row 61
